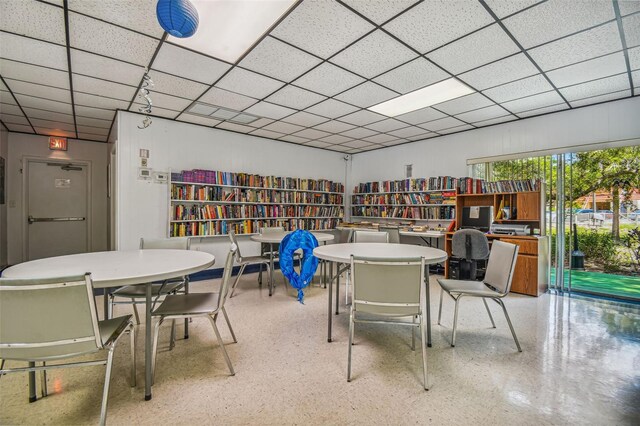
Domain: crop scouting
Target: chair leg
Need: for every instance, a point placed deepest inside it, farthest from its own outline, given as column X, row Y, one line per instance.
column 135, row 311
column 413, row 334
column 440, row 308
column 132, row 336
column 455, row 322
column 110, row 306
column 489, row 312
column 259, row 276
column 43, row 381
column 105, row 391
column 513, row 332
column 235, row 283
column 156, row 333
column 423, row 344
column 172, row 338
column 351, row 327
column 224, row 351
column 226, row 318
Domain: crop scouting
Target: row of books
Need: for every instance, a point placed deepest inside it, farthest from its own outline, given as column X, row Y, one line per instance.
column 216, row 193
column 410, row 184
column 467, row 185
column 444, row 212
column 241, row 211
column 511, row 186
column 448, row 197
column 193, row 229
column 254, row 180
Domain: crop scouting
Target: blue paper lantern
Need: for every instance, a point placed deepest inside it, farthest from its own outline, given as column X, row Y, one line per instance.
column 296, row 240
column 177, row 17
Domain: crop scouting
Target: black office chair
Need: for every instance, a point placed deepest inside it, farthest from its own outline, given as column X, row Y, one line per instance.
column 469, row 246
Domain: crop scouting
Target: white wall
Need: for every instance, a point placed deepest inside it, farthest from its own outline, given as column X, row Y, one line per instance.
column 448, row 155
column 4, row 145
column 142, row 207
column 22, row 145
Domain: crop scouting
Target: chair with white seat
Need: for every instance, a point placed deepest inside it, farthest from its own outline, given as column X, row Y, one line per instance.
column 191, row 305
column 361, row 236
column 393, row 231
column 496, row 285
column 388, row 291
column 243, row 261
column 51, row 319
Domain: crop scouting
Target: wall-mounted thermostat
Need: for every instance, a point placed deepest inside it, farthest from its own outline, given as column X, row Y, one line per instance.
column 160, row 177
column 144, row 173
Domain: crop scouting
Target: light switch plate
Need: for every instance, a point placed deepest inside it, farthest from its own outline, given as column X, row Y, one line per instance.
column 144, row 173
column 160, row 177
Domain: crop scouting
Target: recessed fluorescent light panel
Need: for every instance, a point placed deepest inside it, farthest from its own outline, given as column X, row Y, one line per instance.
column 227, row 28
column 212, row 111
column 422, row 98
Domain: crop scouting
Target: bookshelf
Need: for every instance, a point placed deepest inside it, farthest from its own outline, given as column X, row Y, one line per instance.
column 210, row 203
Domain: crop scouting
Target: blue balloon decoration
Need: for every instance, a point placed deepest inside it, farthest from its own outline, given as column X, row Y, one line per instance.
column 177, row 17
column 296, row 240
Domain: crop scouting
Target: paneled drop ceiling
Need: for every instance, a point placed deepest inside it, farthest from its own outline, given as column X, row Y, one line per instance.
column 67, row 67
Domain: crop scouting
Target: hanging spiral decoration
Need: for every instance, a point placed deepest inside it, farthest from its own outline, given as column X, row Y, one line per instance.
column 143, row 94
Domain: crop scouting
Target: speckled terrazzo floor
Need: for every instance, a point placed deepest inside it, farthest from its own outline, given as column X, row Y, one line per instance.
column 584, row 369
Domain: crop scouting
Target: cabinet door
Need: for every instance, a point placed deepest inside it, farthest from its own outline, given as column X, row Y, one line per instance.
column 525, row 276
column 528, row 206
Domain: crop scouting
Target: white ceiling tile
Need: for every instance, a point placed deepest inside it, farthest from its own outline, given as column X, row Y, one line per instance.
column 412, row 76
column 139, row 15
column 93, row 122
column 341, row 148
column 185, row 63
column 318, row 144
column 487, row 45
column 304, row 119
column 176, row 86
column 3, row 87
column 282, row 127
column 6, row 98
column 33, row 19
column 482, row 114
column 545, row 110
column 90, row 137
column 455, row 129
column 331, row 108
column 500, row 72
column 265, row 109
column 56, row 2
column 380, row 11
column 34, row 74
column 52, row 116
column 373, row 55
column 249, row 83
column 156, row 112
column 19, row 128
column 216, row 96
column 336, row 139
column 260, row 122
column 387, row 125
column 597, row 87
column 328, row 79
column 334, row 126
column 55, row 132
column 463, row 104
column 634, row 58
column 294, row 139
column 357, row 144
column 94, row 101
column 443, row 123
column 601, row 98
column 366, row 95
column 381, row 138
column 504, row 8
column 579, row 47
column 628, row 6
column 321, row 27
column 395, row 142
column 245, row 119
column 557, row 18
column 362, row 117
column 636, row 78
column 632, row 34
column 15, row 109
column 85, row 111
column 105, row 68
column 166, row 101
column 96, row 86
column 423, row 136
column 14, row 119
column 267, row 134
column 407, row 132
column 433, row 23
column 93, row 130
column 200, row 108
column 311, row 134
column 519, row 89
column 495, row 120
column 38, row 90
column 279, row 60
column 359, row 132
column 589, row 70
column 32, row 51
column 99, row 37
column 294, row 97
column 420, row 116
column 532, row 102
column 235, row 127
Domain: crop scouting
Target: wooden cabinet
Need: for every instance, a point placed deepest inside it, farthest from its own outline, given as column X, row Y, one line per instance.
column 528, row 204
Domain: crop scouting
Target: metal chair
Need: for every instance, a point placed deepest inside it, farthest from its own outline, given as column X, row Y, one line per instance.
column 52, row 319
column 387, row 291
column 360, row 236
column 393, row 231
column 244, row 261
column 191, row 305
column 496, row 285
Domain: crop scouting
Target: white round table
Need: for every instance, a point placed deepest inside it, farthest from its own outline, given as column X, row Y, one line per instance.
column 272, row 238
column 341, row 253
column 119, row 268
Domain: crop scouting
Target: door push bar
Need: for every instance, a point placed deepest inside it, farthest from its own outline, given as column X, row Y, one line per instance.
column 32, row 219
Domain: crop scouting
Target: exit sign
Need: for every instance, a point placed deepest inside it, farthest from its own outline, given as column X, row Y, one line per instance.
column 58, row 144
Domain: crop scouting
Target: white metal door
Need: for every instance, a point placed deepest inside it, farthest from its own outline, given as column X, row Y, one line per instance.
column 57, row 197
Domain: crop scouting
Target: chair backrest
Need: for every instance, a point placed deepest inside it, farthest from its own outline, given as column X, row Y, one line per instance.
column 344, row 236
column 470, row 244
column 360, row 236
column 234, row 241
column 502, row 263
column 393, row 231
column 271, row 229
column 226, row 276
column 391, row 287
column 48, row 318
column 166, row 243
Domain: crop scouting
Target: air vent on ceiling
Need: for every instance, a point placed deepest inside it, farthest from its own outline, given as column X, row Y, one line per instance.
column 219, row 113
